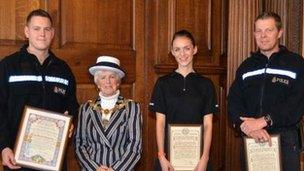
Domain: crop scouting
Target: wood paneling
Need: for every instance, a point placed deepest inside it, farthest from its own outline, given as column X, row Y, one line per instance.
column 240, row 43
column 174, row 15
column 7, row 15
column 291, row 15
column 109, row 23
column 279, row 7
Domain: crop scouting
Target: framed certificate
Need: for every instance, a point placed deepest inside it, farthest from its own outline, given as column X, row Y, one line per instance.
column 185, row 144
column 261, row 156
column 42, row 139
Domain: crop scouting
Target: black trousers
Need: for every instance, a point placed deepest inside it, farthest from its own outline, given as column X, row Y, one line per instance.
column 290, row 151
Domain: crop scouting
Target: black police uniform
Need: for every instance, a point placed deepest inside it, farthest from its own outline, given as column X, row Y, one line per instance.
column 24, row 81
column 273, row 88
column 183, row 100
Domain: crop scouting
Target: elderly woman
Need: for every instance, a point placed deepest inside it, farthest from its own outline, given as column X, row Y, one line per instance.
column 108, row 136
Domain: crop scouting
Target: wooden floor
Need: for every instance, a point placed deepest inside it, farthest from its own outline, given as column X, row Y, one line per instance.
column 302, row 163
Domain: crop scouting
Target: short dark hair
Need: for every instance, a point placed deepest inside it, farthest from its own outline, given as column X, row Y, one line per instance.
column 275, row 16
column 40, row 13
column 182, row 33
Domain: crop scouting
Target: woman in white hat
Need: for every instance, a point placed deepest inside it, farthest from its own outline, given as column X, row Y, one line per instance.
column 108, row 136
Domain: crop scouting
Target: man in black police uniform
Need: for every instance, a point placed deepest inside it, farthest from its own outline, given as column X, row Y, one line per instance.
column 267, row 95
column 33, row 76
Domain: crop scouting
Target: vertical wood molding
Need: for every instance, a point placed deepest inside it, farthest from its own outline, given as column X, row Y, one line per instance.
column 172, row 21
column 291, row 15
column 279, row 7
column 294, row 25
column 240, row 33
column 240, row 43
column 54, row 8
column 209, row 18
column 139, row 89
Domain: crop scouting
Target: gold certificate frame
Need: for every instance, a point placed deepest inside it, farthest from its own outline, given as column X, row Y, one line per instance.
column 42, row 139
column 262, row 157
column 185, row 144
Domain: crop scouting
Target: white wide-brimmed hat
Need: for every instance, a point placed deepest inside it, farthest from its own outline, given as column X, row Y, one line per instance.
column 107, row 63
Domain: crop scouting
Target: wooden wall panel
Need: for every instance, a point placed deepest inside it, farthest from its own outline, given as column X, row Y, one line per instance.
column 240, row 43
column 82, row 51
column 7, row 15
column 175, row 15
column 279, row 7
column 85, row 55
column 12, row 18
column 96, row 23
column 291, row 15
column 240, row 32
column 103, row 27
column 188, row 15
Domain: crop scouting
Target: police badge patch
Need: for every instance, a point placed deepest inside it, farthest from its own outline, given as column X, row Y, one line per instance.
column 59, row 90
column 280, row 80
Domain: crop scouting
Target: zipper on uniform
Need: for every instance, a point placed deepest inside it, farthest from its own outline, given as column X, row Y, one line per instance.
column 43, row 83
column 262, row 89
column 184, row 85
column 39, row 67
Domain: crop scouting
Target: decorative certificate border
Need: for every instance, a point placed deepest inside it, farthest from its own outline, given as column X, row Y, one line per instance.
column 262, row 157
column 42, row 139
column 185, row 144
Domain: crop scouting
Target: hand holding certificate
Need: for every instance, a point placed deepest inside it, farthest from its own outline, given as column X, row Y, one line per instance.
column 185, row 145
column 261, row 156
column 42, row 139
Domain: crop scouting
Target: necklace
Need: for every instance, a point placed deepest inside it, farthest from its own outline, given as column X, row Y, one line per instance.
column 119, row 105
column 107, row 111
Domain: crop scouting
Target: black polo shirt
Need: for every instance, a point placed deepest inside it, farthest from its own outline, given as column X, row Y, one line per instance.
column 184, row 100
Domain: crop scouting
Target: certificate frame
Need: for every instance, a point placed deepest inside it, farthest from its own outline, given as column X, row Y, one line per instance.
column 258, row 155
column 179, row 138
column 42, row 139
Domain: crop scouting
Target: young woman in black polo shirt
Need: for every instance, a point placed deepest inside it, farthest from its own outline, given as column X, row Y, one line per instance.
column 183, row 97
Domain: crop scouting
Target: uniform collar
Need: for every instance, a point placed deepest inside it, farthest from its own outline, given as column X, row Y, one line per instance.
column 282, row 50
column 176, row 74
column 28, row 56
